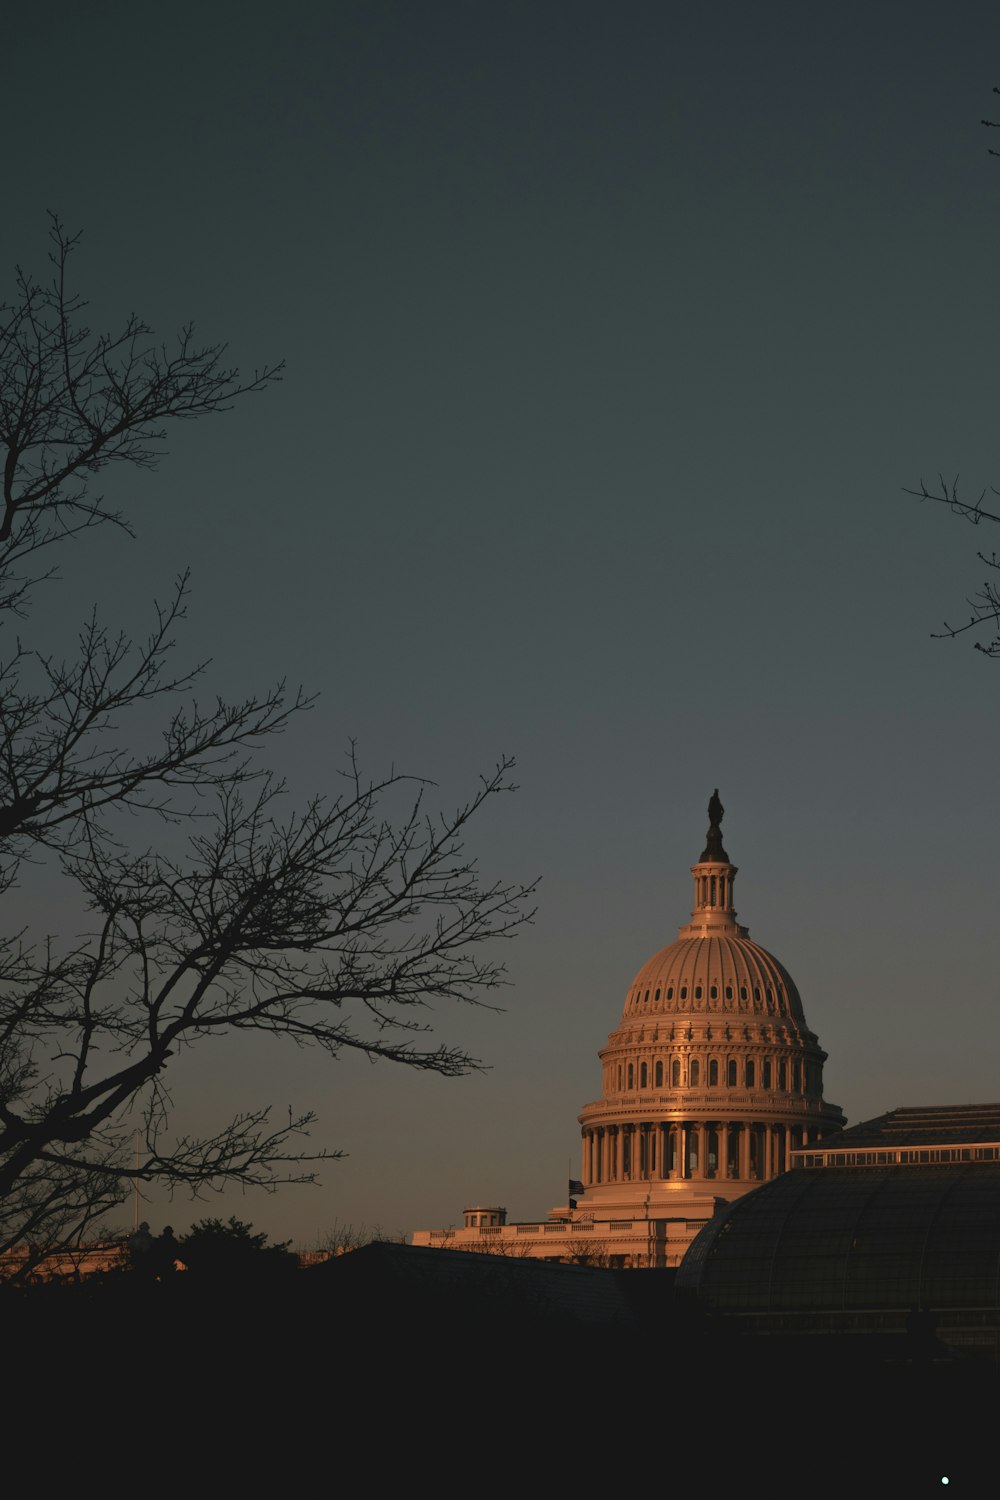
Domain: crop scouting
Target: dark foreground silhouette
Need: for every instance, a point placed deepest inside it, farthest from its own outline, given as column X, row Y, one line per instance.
column 398, row 1364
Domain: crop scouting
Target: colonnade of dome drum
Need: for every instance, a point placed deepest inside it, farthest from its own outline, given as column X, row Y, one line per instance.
column 689, row 1149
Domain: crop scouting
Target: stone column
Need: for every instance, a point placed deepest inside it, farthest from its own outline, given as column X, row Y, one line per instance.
column 698, row 1140
column 744, row 1157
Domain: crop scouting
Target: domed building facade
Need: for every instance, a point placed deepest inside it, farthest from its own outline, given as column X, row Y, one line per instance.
column 712, row 1077
column 709, row 1082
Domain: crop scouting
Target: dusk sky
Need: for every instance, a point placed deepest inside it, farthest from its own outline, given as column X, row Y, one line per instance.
column 614, row 335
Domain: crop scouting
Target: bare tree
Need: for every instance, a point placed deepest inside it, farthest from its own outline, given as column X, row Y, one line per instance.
column 332, row 924
column 985, row 604
column 343, row 1239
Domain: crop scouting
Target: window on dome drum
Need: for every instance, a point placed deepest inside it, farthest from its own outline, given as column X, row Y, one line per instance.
column 797, row 1077
column 750, row 1075
column 695, row 1073
column 619, row 1078
column 675, row 1074
column 642, row 1075
column 659, row 1075
column 631, row 1076
column 783, row 1075
column 731, row 1073
column 713, row 1073
column 765, row 1075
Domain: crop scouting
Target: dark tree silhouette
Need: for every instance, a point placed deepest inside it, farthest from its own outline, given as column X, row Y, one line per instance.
column 214, row 1250
column 984, row 604
column 331, row 924
column 984, row 618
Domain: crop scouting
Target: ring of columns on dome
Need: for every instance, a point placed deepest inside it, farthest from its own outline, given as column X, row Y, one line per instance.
column 687, row 1150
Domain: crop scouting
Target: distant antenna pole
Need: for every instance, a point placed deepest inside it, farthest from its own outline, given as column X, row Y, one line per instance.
column 135, row 1183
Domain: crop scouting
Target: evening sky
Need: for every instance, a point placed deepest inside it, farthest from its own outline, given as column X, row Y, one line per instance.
column 613, row 335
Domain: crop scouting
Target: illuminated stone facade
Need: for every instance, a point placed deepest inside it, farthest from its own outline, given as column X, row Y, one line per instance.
column 710, row 1081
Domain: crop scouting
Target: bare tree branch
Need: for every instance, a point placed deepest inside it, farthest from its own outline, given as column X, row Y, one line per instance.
column 985, row 605
column 335, row 925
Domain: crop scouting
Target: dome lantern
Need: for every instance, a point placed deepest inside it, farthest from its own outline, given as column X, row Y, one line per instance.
column 713, row 882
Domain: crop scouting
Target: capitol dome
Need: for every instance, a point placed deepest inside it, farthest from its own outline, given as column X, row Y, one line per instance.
column 712, row 1078
column 723, row 974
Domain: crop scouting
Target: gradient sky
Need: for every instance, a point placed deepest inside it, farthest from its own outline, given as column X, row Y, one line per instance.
column 614, row 334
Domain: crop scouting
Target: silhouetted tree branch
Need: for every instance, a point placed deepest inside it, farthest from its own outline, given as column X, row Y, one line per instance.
column 332, row 925
column 985, row 605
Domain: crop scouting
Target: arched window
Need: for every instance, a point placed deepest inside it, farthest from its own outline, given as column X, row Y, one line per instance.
column 695, row 1072
column 631, row 1076
column 659, row 1075
column 765, row 1074
column 731, row 1073
column 675, row 1074
column 750, row 1074
column 642, row 1075
column 782, row 1074
column 713, row 1073
column 619, row 1076
column 797, row 1077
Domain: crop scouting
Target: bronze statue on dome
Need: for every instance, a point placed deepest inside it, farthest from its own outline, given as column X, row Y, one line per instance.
column 713, row 848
